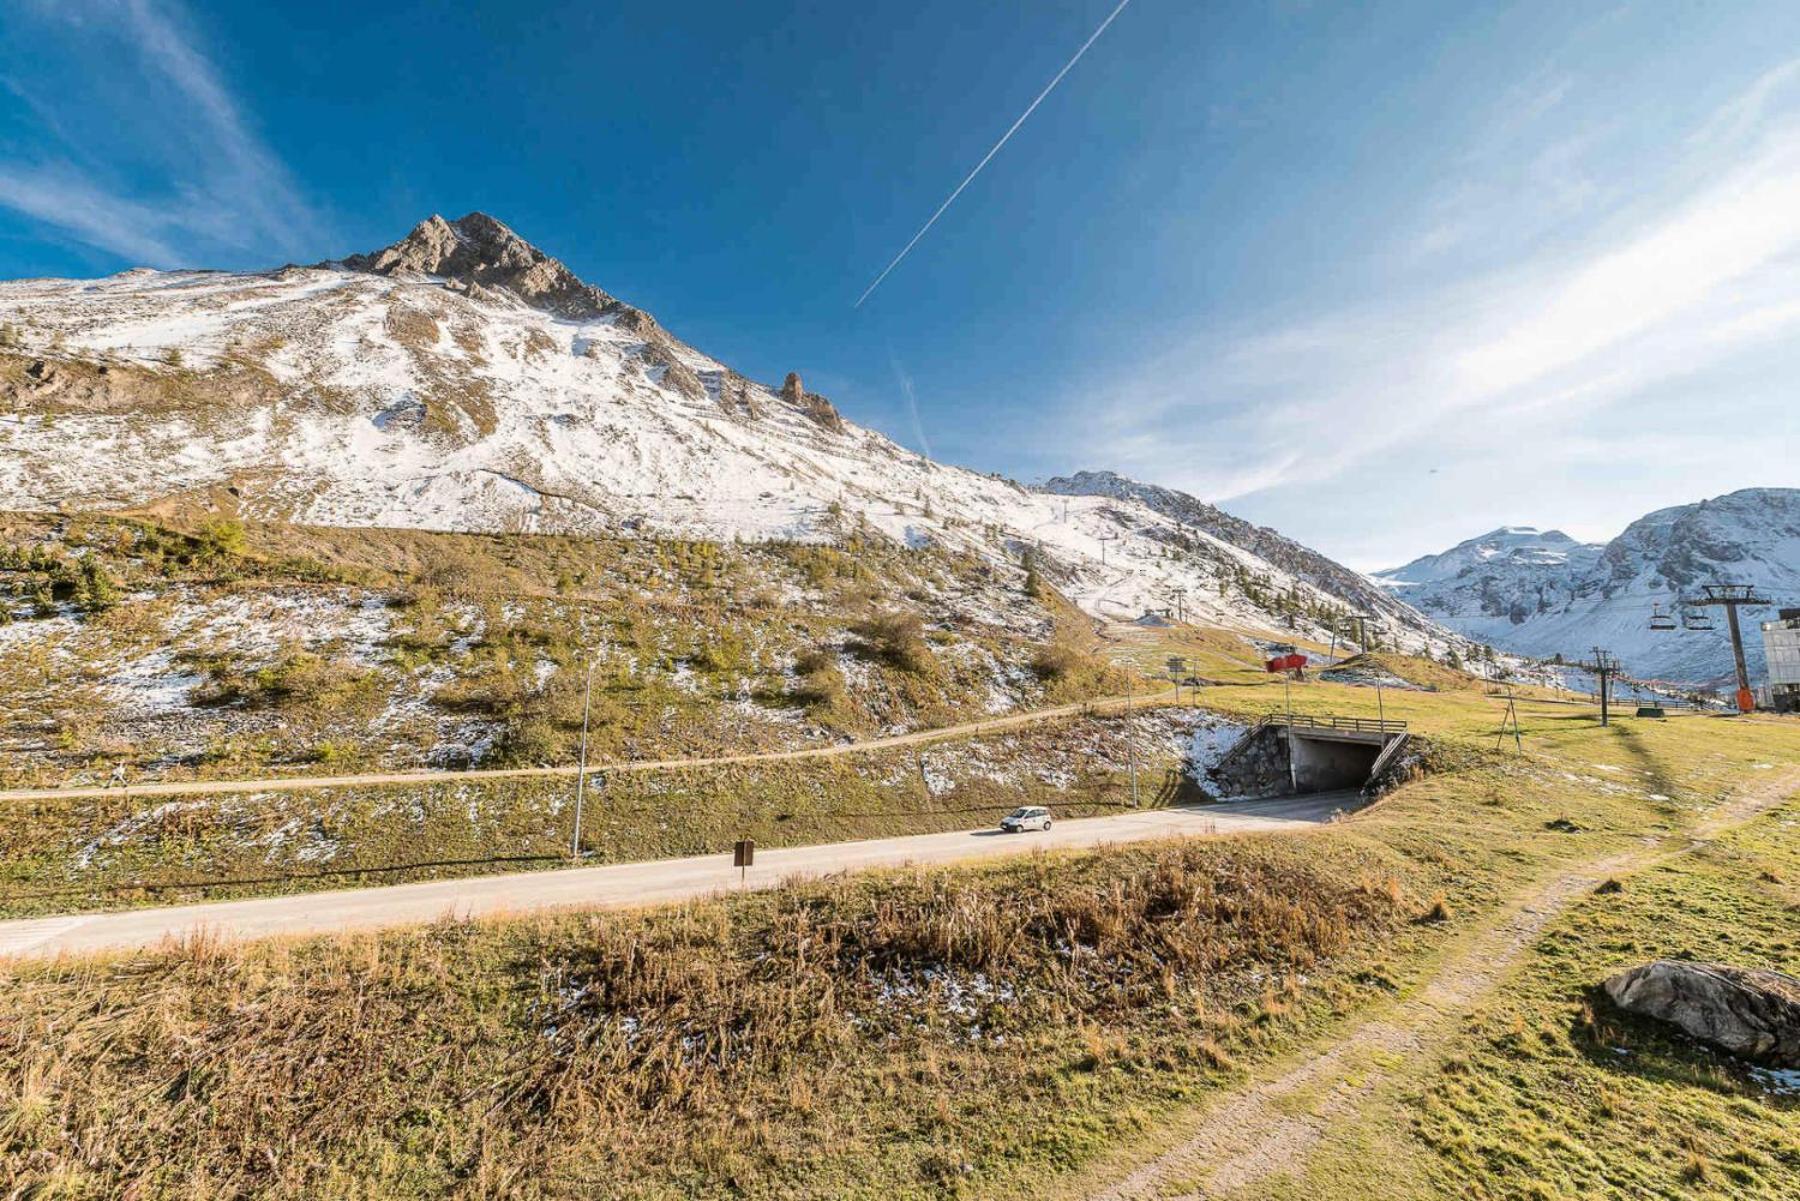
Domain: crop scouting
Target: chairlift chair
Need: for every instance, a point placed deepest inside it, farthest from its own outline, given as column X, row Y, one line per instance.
column 1660, row 620
column 1694, row 619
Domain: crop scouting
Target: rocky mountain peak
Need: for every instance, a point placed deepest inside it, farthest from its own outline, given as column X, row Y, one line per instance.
column 482, row 251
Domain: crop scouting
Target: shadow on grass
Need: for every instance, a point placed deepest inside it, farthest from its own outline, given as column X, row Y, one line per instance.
column 387, row 869
column 1627, row 1044
column 1632, row 743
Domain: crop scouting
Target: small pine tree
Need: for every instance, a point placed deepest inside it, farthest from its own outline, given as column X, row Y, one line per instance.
column 96, row 592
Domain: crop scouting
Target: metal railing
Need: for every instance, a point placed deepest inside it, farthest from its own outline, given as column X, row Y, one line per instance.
column 1350, row 725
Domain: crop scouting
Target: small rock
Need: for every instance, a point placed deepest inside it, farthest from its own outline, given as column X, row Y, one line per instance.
column 1751, row 1013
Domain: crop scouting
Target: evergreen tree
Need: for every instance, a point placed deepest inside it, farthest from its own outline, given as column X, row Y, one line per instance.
column 96, row 592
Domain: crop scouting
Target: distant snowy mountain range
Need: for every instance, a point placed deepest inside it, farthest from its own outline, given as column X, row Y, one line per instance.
column 461, row 379
column 1542, row 593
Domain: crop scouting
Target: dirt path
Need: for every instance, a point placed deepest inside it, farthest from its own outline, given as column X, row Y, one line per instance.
column 1271, row 1127
column 651, row 882
column 991, row 725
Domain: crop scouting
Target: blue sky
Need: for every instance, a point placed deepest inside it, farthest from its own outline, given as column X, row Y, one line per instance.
column 1381, row 275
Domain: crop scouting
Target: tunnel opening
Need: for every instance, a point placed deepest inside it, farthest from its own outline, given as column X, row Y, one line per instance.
column 1297, row 756
column 1322, row 765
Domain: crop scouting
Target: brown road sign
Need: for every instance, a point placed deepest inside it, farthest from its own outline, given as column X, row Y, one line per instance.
column 743, row 853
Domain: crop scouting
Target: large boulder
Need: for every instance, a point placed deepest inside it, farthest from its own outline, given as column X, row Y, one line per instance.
column 1753, row 1014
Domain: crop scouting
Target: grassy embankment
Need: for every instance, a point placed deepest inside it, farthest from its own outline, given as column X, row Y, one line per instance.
column 60, row 854
column 982, row 1032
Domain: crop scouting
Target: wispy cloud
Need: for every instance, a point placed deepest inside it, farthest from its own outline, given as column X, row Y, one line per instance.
column 203, row 182
column 1669, row 288
column 912, row 402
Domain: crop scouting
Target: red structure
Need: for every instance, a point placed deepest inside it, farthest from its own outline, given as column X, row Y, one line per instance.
column 1286, row 663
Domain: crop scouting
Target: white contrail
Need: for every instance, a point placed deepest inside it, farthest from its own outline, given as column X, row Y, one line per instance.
column 912, row 402
column 1048, row 88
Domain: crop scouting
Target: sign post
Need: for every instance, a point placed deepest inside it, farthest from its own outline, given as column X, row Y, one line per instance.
column 743, row 857
column 1177, row 668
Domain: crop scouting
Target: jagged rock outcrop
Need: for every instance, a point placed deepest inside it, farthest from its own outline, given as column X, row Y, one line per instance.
column 737, row 398
column 676, row 374
column 53, row 386
column 817, row 409
column 636, row 320
column 822, row 412
column 477, row 250
column 1748, row 1012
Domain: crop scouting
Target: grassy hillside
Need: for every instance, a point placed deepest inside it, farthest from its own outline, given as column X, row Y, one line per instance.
column 227, row 650
column 996, row 1031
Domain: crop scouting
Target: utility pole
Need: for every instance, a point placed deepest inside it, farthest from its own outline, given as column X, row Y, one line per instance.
column 1731, row 598
column 587, row 697
column 1180, row 595
column 1130, row 742
column 1605, row 666
column 1361, row 622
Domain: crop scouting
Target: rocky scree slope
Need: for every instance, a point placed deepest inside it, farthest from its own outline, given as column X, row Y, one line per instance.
column 1544, row 594
column 462, row 379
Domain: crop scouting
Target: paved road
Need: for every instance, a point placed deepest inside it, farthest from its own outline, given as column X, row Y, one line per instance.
column 991, row 725
column 629, row 883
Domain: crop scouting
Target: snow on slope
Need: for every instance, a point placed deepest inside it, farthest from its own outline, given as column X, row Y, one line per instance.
column 1545, row 594
column 461, row 379
column 1516, row 548
column 1356, row 592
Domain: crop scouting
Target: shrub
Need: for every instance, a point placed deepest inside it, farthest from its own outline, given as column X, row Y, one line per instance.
column 221, row 538
column 897, row 639
column 97, row 593
column 723, row 653
column 1069, row 673
column 821, row 684
column 300, row 679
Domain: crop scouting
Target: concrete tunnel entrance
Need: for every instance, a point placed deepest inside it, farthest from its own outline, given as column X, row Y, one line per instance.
column 1322, row 765
column 1282, row 756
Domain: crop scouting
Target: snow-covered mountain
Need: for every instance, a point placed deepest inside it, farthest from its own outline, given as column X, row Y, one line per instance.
column 1514, row 549
column 463, row 379
column 1543, row 593
column 1355, row 590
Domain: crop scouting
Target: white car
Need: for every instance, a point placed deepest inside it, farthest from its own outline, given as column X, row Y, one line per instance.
column 1026, row 817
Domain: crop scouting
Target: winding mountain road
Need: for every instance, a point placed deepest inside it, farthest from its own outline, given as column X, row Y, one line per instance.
column 631, row 883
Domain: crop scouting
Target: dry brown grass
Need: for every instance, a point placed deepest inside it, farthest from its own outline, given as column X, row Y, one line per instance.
column 829, row 1040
